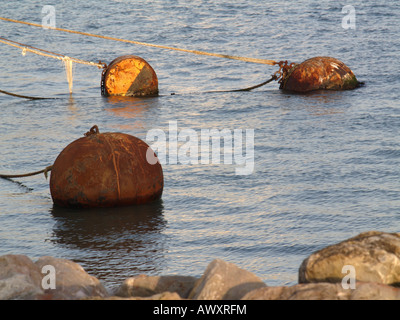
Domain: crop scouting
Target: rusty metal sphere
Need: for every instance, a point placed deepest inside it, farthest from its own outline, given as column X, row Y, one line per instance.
column 319, row 73
column 104, row 170
column 129, row 75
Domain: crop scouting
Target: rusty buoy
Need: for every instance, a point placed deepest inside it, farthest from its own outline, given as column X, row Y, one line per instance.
column 104, row 170
column 129, row 76
column 319, row 73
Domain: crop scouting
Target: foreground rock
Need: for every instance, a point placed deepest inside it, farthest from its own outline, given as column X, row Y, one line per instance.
column 22, row 279
column 158, row 296
column 224, row 281
column 72, row 281
column 374, row 255
column 145, row 286
column 326, row 291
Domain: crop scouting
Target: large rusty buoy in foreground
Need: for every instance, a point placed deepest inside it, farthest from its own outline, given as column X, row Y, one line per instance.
column 129, row 76
column 104, row 170
column 319, row 73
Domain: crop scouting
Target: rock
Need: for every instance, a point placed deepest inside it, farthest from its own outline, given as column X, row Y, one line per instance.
column 158, row 296
column 20, row 278
column 374, row 255
column 309, row 291
column 374, row 291
column 144, row 286
column 326, row 291
column 224, row 281
column 72, row 281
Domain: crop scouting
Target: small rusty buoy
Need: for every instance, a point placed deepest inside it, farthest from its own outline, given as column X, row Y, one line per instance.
column 105, row 170
column 129, row 76
column 319, row 73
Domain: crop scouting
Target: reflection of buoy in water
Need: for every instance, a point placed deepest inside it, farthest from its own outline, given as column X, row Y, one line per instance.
column 104, row 170
column 318, row 73
column 129, row 76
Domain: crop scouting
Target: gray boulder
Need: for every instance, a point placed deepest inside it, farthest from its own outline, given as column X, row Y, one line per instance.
column 145, row 286
column 374, row 257
column 224, row 281
column 326, row 291
column 158, row 296
column 20, row 278
column 72, row 281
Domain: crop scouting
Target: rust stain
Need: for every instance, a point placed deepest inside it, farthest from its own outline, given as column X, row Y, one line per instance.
column 116, row 169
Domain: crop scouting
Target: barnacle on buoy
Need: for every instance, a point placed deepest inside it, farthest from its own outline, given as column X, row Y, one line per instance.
column 103, row 170
column 319, row 73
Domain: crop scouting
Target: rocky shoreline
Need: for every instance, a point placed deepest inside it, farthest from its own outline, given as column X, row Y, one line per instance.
column 365, row 267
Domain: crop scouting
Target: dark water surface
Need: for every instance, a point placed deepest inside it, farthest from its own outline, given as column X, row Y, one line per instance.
column 326, row 164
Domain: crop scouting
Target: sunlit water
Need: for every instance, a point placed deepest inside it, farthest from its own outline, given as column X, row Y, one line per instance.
column 326, row 164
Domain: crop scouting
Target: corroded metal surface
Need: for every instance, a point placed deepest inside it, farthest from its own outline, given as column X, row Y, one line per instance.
column 129, row 76
column 103, row 170
column 319, row 73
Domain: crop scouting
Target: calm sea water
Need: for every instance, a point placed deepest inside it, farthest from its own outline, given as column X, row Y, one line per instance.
column 327, row 164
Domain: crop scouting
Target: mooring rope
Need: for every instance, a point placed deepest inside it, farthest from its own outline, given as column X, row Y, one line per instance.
column 24, row 97
column 226, row 56
column 49, row 54
column 45, row 171
column 68, row 61
column 274, row 77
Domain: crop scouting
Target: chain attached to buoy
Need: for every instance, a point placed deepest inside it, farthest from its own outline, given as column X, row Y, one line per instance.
column 23, row 96
column 93, row 130
column 10, row 176
column 284, row 68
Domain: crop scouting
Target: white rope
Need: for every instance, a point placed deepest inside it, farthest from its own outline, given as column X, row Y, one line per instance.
column 68, row 70
column 49, row 54
column 68, row 61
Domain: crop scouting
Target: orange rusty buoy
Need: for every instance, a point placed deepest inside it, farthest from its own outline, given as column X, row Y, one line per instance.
column 319, row 73
column 129, row 76
column 104, row 170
